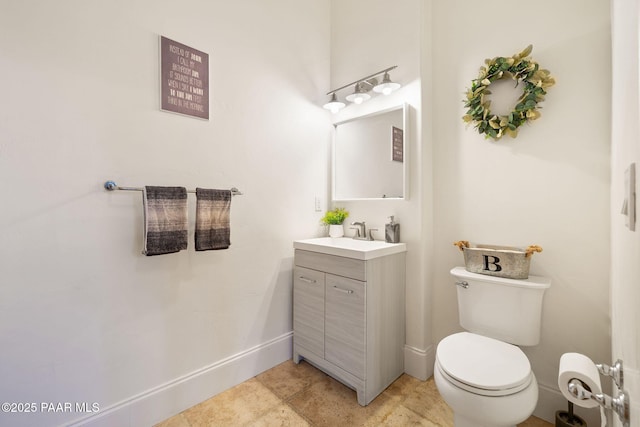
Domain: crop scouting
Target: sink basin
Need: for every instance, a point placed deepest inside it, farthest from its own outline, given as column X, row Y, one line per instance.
column 350, row 248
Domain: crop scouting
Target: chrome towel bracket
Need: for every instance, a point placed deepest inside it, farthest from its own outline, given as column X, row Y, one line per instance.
column 619, row 404
column 614, row 372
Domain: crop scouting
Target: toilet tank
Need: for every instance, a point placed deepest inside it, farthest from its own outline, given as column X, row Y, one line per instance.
column 509, row 310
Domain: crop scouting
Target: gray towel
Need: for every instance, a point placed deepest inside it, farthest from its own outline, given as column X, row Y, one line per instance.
column 212, row 219
column 165, row 220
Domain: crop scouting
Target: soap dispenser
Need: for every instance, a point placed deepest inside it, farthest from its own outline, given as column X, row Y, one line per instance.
column 392, row 231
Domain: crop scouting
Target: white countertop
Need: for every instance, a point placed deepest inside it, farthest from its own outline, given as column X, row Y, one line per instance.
column 349, row 247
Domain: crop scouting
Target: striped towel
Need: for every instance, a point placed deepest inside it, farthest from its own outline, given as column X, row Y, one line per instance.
column 165, row 220
column 212, row 219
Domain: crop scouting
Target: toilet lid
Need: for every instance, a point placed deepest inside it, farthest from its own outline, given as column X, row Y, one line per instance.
column 483, row 365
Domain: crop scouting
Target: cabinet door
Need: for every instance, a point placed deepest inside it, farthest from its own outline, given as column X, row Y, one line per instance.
column 308, row 309
column 345, row 324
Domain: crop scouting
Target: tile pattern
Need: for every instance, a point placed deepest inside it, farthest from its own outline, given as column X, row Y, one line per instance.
column 301, row 395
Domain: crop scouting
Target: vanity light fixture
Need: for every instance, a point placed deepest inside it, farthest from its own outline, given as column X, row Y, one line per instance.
column 362, row 87
column 386, row 86
column 360, row 94
column 334, row 105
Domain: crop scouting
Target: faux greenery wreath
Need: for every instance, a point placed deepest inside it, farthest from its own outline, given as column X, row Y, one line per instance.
column 523, row 70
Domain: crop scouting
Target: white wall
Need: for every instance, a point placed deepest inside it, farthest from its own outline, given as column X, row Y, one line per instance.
column 549, row 186
column 84, row 317
column 368, row 36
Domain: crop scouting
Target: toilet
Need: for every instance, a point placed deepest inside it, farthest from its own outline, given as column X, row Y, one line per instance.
column 482, row 374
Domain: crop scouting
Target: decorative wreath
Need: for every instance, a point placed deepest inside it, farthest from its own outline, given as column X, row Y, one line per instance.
column 523, row 70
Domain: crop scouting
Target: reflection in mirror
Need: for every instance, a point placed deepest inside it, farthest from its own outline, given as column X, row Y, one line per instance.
column 369, row 156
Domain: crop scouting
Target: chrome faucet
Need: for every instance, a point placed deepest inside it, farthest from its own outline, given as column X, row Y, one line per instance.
column 361, row 231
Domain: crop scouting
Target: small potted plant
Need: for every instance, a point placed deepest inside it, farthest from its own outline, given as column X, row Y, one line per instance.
column 334, row 219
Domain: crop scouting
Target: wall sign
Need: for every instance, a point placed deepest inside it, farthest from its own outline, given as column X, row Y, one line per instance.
column 184, row 79
column 397, row 144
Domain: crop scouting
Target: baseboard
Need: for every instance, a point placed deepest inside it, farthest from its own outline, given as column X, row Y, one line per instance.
column 419, row 363
column 173, row 397
column 551, row 400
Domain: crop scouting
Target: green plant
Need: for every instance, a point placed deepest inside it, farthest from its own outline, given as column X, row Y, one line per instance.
column 335, row 217
column 523, row 70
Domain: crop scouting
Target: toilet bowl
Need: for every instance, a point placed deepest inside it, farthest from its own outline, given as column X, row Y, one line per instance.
column 486, row 382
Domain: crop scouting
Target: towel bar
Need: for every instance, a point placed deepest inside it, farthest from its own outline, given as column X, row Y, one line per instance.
column 111, row 185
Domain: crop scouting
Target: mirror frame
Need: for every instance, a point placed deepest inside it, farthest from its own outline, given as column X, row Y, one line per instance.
column 405, row 146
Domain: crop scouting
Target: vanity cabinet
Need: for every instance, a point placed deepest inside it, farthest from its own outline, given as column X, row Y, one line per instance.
column 349, row 318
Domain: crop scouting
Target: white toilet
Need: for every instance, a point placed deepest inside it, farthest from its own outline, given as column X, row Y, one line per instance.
column 481, row 374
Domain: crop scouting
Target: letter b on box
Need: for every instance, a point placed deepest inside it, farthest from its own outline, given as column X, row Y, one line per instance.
column 491, row 263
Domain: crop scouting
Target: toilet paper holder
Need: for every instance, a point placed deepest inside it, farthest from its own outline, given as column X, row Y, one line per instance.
column 614, row 372
column 619, row 404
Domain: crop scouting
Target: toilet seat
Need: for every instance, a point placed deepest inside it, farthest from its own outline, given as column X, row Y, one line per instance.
column 483, row 365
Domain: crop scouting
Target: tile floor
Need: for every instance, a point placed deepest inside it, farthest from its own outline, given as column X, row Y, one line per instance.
column 301, row 395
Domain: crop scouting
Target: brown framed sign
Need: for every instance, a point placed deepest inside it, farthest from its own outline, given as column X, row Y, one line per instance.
column 397, row 144
column 184, row 79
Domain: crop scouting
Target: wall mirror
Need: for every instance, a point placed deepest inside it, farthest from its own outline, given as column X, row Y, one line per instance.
column 370, row 158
